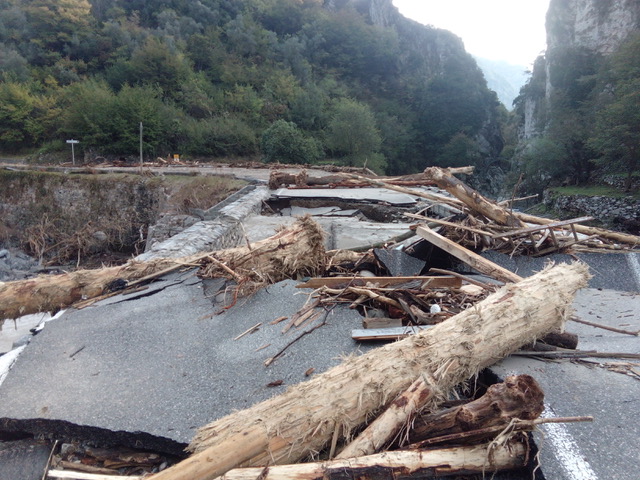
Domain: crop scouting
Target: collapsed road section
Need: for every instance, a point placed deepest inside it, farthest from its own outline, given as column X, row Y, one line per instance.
column 278, row 343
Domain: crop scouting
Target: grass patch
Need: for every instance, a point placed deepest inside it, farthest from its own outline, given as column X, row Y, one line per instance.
column 201, row 192
column 594, row 191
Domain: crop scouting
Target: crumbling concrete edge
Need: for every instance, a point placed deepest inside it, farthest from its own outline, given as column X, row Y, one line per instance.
column 222, row 228
column 69, row 432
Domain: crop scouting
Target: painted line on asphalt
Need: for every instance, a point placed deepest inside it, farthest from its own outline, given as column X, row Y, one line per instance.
column 632, row 259
column 566, row 449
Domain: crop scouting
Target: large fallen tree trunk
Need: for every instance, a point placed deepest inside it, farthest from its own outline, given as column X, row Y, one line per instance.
column 425, row 464
column 474, row 200
column 279, row 179
column 298, row 249
column 305, row 419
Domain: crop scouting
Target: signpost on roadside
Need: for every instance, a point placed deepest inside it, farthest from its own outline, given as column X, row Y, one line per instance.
column 73, row 154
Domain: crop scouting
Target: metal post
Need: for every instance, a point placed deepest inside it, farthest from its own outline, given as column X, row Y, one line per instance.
column 73, row 153
column 141, row 162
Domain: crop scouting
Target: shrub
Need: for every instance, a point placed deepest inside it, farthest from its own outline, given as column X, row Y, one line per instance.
column 284, row 142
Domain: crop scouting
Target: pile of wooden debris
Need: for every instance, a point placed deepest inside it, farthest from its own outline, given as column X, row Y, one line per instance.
column 388, row 412
column 480, row 223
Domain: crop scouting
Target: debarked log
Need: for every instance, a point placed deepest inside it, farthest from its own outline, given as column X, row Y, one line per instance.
column 474, row 200
column 332, row 406
column 296, row 250
column 424, row 464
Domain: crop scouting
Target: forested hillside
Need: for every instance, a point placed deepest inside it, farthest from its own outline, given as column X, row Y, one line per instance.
column 283, row 80
column 579, row 114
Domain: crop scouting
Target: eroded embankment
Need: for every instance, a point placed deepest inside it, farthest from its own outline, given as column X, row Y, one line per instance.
column 62, row 217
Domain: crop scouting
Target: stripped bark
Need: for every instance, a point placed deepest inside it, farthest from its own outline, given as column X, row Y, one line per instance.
column 519, row 396
column 304, row 420
column 298, row 249
column 386, row 426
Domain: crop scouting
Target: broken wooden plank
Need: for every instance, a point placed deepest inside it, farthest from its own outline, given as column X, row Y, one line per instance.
column 378, row 334
column 537, row 228
column 427, row 282
column 70, row 475
column 467, row 256
column 303, row 420
column 375, row 322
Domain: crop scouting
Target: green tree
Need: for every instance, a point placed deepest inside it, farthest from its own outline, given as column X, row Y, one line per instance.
column 460, row 151
column 540, row 163
column 54, row 23
column 109, row 122
column 352, row 133
column 284, row 142
column 155, row 63
column 616, row 137
column 16, row 106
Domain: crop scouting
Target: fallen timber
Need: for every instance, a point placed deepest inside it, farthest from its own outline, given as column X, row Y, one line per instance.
column 328, row 408
column 519, row 396
column 424, row 464
column 302, row 179
column 469, row 200
column 298, row 249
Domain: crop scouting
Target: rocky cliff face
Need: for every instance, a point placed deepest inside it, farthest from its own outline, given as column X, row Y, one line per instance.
column 597, row 25
column 592, row 27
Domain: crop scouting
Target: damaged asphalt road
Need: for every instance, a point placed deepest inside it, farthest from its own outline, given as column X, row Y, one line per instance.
column 148, row 371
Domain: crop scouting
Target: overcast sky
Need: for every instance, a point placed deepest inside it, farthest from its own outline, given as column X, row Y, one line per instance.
column 510, row 30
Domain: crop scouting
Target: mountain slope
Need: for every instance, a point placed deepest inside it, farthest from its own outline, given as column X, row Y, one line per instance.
column 220, row 78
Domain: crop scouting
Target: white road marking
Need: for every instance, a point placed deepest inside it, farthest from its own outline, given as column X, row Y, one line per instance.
column 632, row 259
column 566, row 449
column 7, row 360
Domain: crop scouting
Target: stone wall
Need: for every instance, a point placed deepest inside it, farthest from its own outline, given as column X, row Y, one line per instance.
column 618, row 213
column 220, row 228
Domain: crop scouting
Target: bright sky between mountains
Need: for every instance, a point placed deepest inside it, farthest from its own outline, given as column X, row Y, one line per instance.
column 509, row 30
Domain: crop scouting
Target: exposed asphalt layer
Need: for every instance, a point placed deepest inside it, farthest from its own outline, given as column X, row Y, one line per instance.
column 164, row 364
column 607, row 448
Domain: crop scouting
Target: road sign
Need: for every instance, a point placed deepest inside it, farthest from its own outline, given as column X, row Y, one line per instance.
column 73, row 154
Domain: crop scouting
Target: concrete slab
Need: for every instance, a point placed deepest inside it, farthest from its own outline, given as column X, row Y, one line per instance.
column 381, row 195
column 606, row 448
column 340, row 232
column 149, row 371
